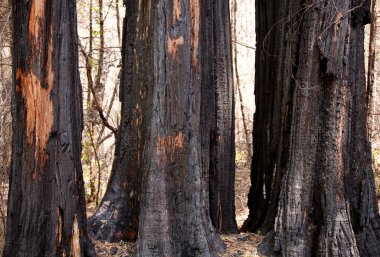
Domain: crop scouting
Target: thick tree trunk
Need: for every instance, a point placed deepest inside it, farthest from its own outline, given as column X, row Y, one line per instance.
column 117, row 217
column 312, row 164
column 174, row 218
column 218, row 119
column 46, row 208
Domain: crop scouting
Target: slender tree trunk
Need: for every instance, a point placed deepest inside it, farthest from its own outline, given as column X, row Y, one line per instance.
column 99, row 86
column 312, row 164
column 46, row 213
column 118, row 20
column 174, row 219
column 218, row 135
column 371, row 75
column 92, row 196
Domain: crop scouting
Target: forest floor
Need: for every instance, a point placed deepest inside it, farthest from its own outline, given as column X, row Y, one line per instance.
column 240, row 245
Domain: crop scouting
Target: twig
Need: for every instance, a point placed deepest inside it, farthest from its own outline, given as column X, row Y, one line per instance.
column 5, row 25
column 243, row 44
column 96, row 101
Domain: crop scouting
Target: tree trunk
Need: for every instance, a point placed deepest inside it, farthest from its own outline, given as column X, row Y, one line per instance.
column 218, row 119
column 174, row 218
column 46, row 213
column 117, row 217
column 312, row 157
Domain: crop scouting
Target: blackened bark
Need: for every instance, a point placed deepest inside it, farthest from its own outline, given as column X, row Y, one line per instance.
column 117, row 217
column 274, row 51
column 46, row 207
column 218, row 137
column 360, row 186
column 312, row 161
column 174, row 218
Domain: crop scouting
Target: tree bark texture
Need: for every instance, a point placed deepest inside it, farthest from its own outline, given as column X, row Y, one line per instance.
column 312, row 158
column 117, row 217
column 174, row 218
column 218, row 118
column 46, row 208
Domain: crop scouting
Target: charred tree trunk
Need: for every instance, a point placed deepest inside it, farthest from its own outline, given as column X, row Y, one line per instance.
column 218, row 119
column 46, row 208
column 117, row 217
column 312, row 158
column 174, row 219
column 270, row 102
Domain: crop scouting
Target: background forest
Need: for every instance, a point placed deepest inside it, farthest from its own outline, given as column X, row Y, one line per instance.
column 100, row 29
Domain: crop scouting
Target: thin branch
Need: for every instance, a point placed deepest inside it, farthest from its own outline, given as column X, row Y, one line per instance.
column 243, row 44
column 5, row 25
column 96, row 101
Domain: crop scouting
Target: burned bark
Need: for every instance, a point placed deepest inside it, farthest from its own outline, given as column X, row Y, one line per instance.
column 218, row 119
column 312, row 161
column 46, row 207
column 174, row 219
column 117, row 217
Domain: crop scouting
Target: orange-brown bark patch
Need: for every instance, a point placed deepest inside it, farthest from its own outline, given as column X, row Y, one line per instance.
column 173, row 44
column 38, row 104
column 195, row 18
column 58, row 228
column 340, row 143
column 49, row 63
column 75, row 244
column 36, row 17
column 39, row 111
column 170, row 145
column 177, row 10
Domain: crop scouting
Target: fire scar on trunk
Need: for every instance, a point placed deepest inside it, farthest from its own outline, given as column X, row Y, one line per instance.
column 39, row 111
column 170, row 146
column 176, row 10
column 173, row 44
column 75, row 243
column 195, row 18
column 34, row 87
column 340, row 147
column 36, row 21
